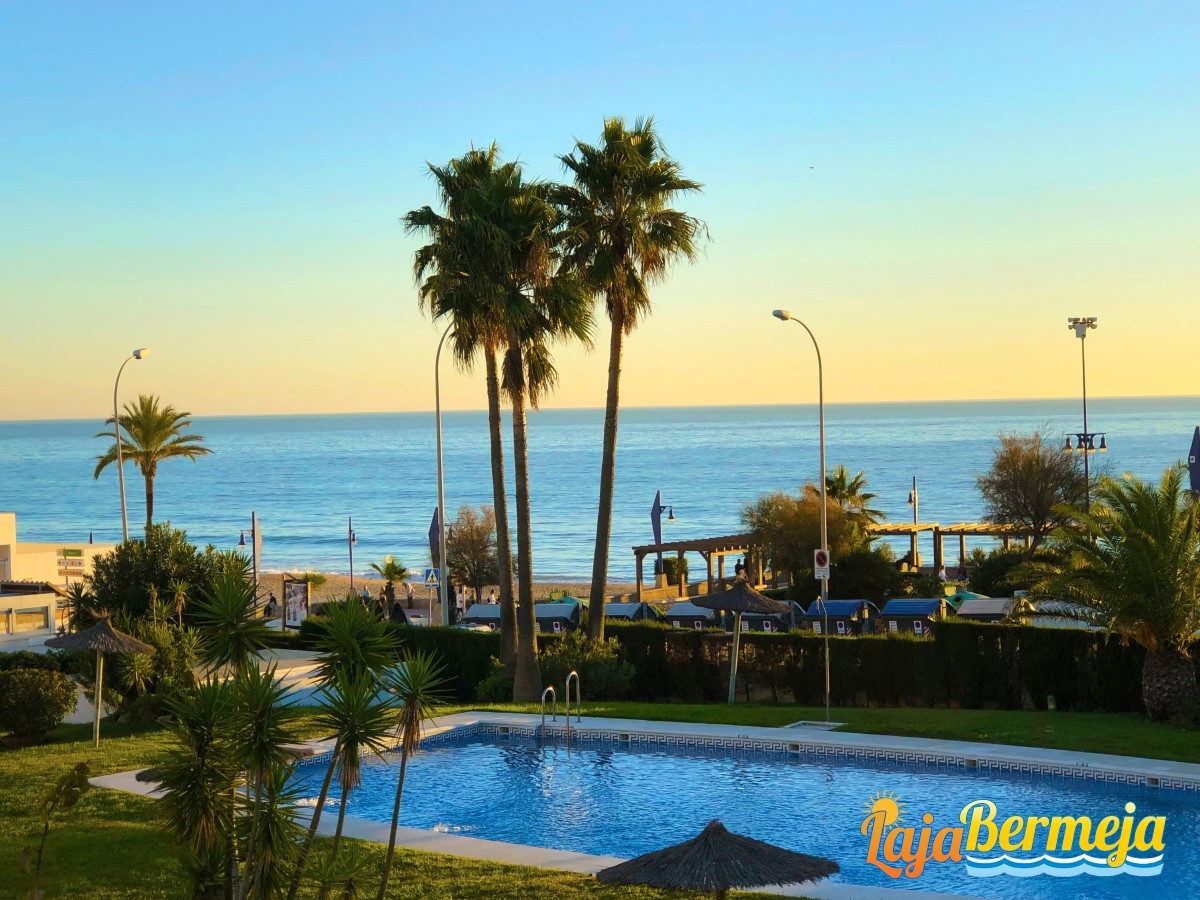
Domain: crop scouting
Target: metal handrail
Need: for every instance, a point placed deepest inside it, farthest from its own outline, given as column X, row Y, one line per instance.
column 553, row 708
column 578, row 697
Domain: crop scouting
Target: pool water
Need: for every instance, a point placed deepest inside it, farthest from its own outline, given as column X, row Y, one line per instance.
column 624, row 802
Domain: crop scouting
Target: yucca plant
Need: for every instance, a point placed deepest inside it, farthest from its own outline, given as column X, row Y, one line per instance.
column 1132, row 564
column 271, row 835
column 416, row 685
column 359, row 720
column 339, row 876
column 231, row 634
column 352, row 640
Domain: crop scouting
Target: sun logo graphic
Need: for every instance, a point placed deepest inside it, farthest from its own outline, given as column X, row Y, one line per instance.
column 887, row 806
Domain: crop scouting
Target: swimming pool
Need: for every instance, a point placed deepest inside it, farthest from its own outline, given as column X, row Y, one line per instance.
column 607, row 798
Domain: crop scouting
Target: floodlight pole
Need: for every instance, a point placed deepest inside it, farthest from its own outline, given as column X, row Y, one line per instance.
column 437, row 403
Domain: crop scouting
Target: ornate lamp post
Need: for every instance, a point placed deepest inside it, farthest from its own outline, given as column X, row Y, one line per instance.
column 140, row 353
column 1085, row 440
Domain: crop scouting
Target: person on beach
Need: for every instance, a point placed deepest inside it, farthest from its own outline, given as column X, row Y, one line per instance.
column 942, row 576
column 492, row 596
column 409, row 592
column 738, row 568
column 366, row 596
column 271, row 610
column 381, row 604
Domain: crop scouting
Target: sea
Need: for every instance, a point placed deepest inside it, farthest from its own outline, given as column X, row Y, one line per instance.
column 306, row 477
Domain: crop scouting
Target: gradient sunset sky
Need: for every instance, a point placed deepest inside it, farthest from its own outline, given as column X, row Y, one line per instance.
column 933, row 187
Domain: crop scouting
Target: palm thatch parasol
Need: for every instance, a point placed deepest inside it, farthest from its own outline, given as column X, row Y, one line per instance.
column 741, row 598
column 717, row 860
column 102, row 638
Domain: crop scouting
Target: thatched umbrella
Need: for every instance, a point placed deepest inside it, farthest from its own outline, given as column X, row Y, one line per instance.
column 102, row 638
column 717, row 860
column 741, row 598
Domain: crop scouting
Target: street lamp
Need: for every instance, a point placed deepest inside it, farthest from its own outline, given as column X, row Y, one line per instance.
column 351, row 540
column 1086, row 440
column 914, row 500
column 783, row 315
column 437, row 405
column 255, row 549
column 140, row 353
column 656, row 512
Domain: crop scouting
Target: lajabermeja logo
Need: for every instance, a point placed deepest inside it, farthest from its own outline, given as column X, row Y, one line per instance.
column 989, row 845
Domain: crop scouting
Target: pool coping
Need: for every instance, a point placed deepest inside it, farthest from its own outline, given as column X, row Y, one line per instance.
column 687, row 735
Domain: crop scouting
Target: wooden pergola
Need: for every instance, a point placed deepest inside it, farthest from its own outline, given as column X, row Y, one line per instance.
column 713, row 550
column 1006, row 534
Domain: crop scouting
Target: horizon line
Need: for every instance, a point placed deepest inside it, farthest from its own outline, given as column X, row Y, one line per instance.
column 394, row 412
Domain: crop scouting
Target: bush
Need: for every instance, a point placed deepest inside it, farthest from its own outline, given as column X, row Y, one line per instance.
column 497, row 687
column 672, row 568
column 34, row 702
column 603, row 673
column 991, row 574
column 27, row 659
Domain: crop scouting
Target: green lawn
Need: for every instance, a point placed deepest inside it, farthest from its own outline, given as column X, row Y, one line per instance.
column 110, row 845
column 1121, row 734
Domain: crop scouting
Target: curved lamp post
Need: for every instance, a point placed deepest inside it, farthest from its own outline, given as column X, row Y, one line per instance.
column 784, row 315
column 351, row 540
column 139, row 353
column 437, row 406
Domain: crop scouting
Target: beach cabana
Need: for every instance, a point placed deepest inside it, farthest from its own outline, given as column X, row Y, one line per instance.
column 845, row 617
column 631, row 612
column 558, row 616
column 486, row 614
column 718, row 861
column 101, row 638
column 740, row 600
column 689, row 615
column 986, row 609
column 914, row 616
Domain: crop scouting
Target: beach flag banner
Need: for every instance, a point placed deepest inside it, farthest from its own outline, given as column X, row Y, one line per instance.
column 1194, row 462
column 820, row 564
column 431, row 578
column 435, row 537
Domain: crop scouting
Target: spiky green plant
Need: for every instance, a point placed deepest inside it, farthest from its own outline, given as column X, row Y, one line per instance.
column 231, row 634
column 350, row 639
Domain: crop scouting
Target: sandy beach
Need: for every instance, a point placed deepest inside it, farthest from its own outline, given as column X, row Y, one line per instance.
column 336, row 587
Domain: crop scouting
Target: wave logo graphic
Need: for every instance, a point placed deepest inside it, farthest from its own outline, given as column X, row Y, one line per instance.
column 1059, row 867
column 989, row 845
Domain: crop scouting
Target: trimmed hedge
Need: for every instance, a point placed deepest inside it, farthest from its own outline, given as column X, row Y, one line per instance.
column 27, row 659
column 34, row 701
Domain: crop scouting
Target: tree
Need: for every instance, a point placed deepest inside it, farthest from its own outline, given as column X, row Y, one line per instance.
column 416, row 685
column 150, row 434
column 866, row 573
column 391, row 571
column 454, row 273
column 124, row 579
column 622, row 236
column 1031, row 485
column 63, row 796
column 352, row 641
column 1132, row 563
column 471, row 548
column 231, row 633
column 850, row 493
column 789, row 527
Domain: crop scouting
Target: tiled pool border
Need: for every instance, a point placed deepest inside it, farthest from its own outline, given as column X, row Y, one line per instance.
column 664, row 740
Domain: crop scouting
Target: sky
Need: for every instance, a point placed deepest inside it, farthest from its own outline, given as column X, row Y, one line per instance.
column 933, row 187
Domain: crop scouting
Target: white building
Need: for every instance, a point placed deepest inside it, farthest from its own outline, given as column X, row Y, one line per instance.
column 51, row 563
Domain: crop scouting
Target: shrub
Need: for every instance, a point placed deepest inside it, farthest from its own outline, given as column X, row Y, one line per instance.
column 34, row 702
column 27, row 659
column 603, row 673
column 497, row 687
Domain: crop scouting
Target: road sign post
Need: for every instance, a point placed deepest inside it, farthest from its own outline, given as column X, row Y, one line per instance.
column 821, row 565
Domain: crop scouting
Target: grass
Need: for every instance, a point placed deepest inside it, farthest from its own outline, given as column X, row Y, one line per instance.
column 111, row 844
column 1117, row 733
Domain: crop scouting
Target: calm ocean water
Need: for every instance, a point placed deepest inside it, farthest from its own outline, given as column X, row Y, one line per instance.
column 304, row 475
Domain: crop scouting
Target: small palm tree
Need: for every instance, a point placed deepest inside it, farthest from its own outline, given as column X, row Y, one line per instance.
column 416, row 685
column 272, row 845
column 231, row 634
column 851, row 494
column 151, row 433
column 391, row 571
column 178, row 589
column 1132, row 563
column 352, row 641
column 622, row 235
column 353, row 715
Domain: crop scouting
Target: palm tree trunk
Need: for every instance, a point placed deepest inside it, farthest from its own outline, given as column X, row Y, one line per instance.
column 527, row 679
column 508, row 610
column 294, row 887
column 1168, row 683
column 337, row 833
column 149, row 497
column 249, row 861
column 391, row 850
column 608, row 472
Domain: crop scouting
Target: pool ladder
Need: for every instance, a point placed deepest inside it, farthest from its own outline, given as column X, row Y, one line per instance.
column 549, row 691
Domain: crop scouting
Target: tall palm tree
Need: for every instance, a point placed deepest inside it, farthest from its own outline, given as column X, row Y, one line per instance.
column 451, row 287
column 623, row 235
column 416, row 686
column 150, row 434
column 851, row 494
column 1132, row 563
